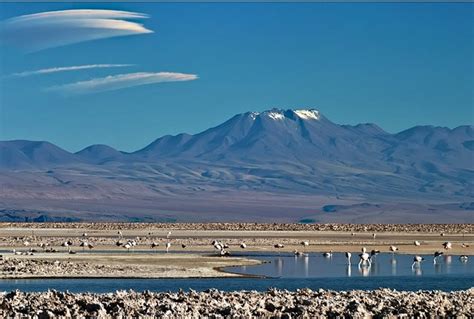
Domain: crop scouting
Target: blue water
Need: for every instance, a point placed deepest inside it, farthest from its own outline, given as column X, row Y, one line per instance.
column 383, row 265
column 291, row 273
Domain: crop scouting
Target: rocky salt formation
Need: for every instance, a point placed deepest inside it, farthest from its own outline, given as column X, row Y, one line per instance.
column 412, row 228
column 18, row 268
column 244, row 304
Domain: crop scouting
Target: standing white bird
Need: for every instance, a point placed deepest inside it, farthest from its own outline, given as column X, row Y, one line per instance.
column 168, row 245
column 304, row 243
column 416, row 243
column 327, row 254
column 365, row 259
column 217, row 245
column 299, row 253
column 348, row 257
column 436, row 255
column 364, row 250
column 127, row 246
column 417, row 261
column 278, row 246
column 168, row 235
column 153, row 245
column 243, row 245
column 66, row 245
column 374, row 235
column 447, row 245
column 393, row 249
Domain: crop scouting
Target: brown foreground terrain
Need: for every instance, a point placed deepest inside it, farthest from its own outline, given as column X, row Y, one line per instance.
column 303, row 303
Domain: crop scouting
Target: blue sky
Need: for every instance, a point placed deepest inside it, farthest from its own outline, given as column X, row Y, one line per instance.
column 397, row 65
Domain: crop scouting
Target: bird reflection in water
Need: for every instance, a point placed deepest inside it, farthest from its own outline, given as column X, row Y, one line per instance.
column 437, row 268
column 348, row 270
column 417, row 271
column 393, row 262
column 364, row 271
column 279, row 266
column 448, row 260
column 306, row 265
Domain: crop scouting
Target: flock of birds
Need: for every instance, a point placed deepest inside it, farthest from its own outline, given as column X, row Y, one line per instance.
column 365, row 257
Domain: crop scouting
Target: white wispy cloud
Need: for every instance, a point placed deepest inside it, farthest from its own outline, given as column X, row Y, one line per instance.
column 68, row 68
column 120, row 81
column 45, row 30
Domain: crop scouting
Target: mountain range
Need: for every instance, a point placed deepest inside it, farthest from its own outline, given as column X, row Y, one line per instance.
column 285, row 165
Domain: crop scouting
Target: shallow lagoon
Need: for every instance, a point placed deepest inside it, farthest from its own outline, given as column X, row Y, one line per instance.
column 285, row 271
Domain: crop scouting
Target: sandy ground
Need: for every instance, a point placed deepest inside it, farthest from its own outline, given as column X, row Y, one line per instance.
column 132, row 265
column 199, row 258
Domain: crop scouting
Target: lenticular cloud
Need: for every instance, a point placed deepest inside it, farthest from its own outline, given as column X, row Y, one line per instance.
column 39, row 31
column 120, row 81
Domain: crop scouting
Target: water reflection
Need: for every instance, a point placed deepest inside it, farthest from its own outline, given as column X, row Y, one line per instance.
column 348, row 270
column 306, row 265
column 393, row 263
column 364, row 271
column 279, row 266
column 317, row 266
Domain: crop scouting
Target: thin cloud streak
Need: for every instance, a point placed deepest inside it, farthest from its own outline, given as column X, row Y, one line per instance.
column 68, row 68
column 120, row 81
column 39, row 31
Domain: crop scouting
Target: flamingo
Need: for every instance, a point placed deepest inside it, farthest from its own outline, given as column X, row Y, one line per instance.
column 464, row 245
column 299, row 253
column 278, row 246
column 327, row 254
column 183, row 246
column 348, row 257
column 217, row 245
column 304, row 243
column 168, row 245
column 364, row 259
column 436, row 255
column 447, row 245
column 393, row 249
column 416, row 243
column 154, row 245
column 374, row 252
column 66, row 245
column 168, row 235
column 417, row 261
column 127, row 246
column 243, row 245
column 374, row 235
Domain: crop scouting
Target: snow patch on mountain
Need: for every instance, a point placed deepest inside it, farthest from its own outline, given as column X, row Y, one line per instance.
column 275, row 115
column 307, row 114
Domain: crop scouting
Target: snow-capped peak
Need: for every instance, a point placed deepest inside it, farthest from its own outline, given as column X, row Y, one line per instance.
column 307, row 114
column 276, row 115
column 282, row 114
